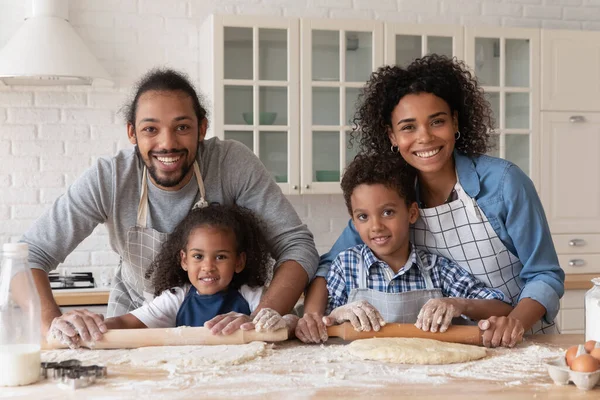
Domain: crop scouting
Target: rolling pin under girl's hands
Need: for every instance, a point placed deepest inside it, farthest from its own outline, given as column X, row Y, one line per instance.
column 455, row 333
column 181, row 336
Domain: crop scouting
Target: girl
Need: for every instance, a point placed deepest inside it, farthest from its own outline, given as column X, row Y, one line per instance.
column 481, row 212
column 210, row 271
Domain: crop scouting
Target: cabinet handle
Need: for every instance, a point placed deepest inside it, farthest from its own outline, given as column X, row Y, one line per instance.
column 295, row 187
column 307, row 187
column 576, row 263
column 576, row 242
column 576, row 118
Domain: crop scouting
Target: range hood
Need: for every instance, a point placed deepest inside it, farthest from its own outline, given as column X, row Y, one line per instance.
column 46, row 50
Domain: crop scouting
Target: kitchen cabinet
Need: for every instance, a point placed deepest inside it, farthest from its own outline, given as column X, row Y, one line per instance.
column 570, row 70
column 506, row 63
column 571, row 315
column 337, row 58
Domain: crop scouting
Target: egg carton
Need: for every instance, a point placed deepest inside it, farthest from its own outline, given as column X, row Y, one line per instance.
column 561, row 374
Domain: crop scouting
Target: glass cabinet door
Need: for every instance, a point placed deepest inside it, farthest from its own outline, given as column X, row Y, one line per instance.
column 258, row 100
column 337, row 59
column 406, row 42
column 503, row 61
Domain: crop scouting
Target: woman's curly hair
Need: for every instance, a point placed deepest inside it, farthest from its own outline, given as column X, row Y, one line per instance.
column 166, row 271
column 386, row 169
column 446, row 78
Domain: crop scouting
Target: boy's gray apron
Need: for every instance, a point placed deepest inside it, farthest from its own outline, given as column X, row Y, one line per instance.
column 396, row 307
column 131, row 288
column 460, row 231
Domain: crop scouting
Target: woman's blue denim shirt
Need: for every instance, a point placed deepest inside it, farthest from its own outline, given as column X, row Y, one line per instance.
column 509, row 200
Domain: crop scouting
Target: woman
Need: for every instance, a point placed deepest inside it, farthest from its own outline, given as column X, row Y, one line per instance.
column 479, row 211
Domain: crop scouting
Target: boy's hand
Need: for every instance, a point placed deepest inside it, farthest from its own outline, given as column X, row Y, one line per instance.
column 362, row 315
column 311, row 328
column 226, row 324
column 501, row 331
column 437, row 314
column 77, row 325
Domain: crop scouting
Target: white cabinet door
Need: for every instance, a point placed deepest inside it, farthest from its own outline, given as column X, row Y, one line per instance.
column 570, row 171
column 337, row 58
column 506, row 62
column 570, row 70
column 405, row 42
column 250, row 72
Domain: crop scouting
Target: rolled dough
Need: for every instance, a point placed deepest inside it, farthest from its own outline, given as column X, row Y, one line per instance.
column 414, row 351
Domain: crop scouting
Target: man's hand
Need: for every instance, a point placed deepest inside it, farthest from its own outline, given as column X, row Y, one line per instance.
column 501, row 331
column 362, row 315
column 311, row 328
column 436, row 314
column 77, row 325
column 268, row 320
column 226, row 324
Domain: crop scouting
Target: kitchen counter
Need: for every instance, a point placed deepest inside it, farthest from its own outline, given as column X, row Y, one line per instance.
column 292, row 369
column 579, row 281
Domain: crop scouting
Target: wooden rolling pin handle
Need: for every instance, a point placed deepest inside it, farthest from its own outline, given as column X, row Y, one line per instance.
column 454, row 334
column 181, row 336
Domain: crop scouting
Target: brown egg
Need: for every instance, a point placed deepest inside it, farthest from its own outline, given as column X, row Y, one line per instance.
column 596, row 353
column 585, row 363
column 589, row 345
column 570, row 354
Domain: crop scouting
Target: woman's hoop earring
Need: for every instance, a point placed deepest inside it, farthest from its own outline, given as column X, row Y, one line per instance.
column 457, row 135
column 394, row 149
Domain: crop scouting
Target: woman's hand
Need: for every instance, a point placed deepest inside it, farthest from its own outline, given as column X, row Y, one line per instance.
column 311, row 328
column 362, row 315
column 436, row 314
column 501, row 331
column 76, row 326
column 226, row 324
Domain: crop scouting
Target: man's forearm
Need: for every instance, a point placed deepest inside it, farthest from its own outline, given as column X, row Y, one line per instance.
column 286, row 287
column 528, row 311
column 49, row 307
column 316, row 297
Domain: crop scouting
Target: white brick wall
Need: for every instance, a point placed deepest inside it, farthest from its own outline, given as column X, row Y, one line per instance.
column 49, row 135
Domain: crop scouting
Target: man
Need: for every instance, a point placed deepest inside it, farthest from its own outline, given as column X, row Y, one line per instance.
column 142, row 194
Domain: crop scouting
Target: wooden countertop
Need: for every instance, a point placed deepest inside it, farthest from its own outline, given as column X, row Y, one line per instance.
column 81, row 298
column 292, row 369
column 579, row 281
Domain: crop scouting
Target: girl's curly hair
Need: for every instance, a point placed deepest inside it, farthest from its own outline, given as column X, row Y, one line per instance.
column 386, row 169
column 446, row 78
column 166, row 271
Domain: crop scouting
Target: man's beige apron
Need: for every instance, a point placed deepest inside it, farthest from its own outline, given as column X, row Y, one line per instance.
column 131, row 288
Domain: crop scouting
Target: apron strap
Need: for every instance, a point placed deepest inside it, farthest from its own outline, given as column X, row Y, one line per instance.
column 426, row 270
column 362, row 276
column 142, row 214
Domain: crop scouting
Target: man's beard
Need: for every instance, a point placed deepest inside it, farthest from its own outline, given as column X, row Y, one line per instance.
column 164, row 182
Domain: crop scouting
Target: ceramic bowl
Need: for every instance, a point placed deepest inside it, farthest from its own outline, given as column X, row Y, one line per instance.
column 561, row 374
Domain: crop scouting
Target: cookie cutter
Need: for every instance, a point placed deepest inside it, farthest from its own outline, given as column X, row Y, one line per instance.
column 71, row 374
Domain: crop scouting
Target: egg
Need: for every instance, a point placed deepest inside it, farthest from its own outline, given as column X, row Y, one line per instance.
column 570, row 354
column 585, row 363
column 589, row 345
column 596, row 353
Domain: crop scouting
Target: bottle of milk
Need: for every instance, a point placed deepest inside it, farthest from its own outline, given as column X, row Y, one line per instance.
column 592, row 312
column 20, row 335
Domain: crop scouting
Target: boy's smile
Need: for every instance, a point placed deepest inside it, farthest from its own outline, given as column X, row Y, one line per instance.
column 382, row 220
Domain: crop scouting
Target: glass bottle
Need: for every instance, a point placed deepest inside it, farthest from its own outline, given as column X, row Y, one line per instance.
column 20, row 335
column 592, row 312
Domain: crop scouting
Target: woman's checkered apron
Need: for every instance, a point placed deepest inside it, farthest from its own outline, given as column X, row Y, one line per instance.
column 131, row 288
column 460, row 231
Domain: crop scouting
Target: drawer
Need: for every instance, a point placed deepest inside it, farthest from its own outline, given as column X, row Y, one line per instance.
column 576, row 243
column 98, row 309
column 572, row 299
column 572, row 319
column 579, row 263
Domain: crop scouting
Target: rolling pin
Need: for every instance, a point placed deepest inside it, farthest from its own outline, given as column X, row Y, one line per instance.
column 134, row 338
column 454, row 334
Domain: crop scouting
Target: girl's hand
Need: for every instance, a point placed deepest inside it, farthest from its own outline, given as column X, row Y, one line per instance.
column 362, row 315
column 437, row 314
column 501, row 331
column 268, row 320
column 311, row 328
column 226, row 324
column 77, row 325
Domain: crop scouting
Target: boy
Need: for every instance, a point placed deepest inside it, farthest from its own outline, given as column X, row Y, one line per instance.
column 386, row 279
